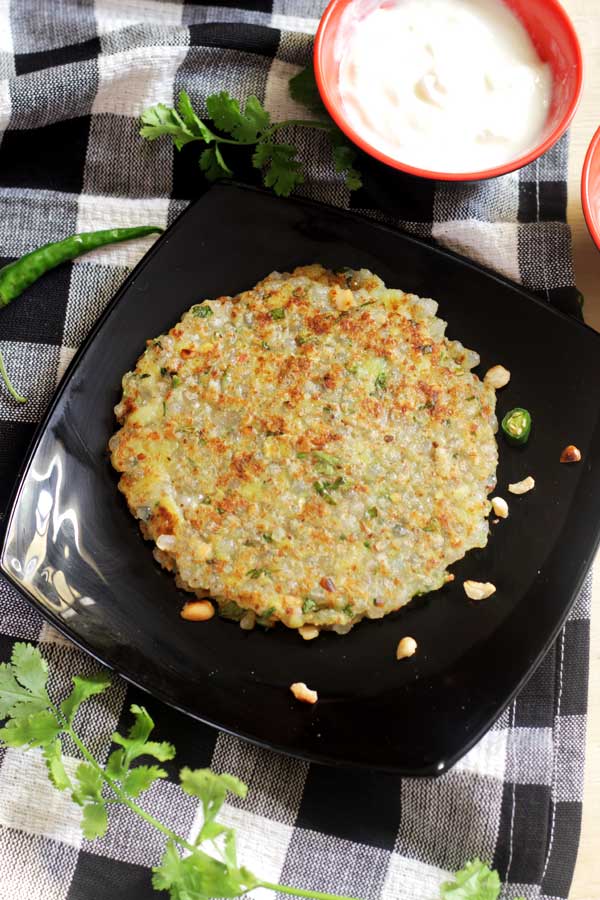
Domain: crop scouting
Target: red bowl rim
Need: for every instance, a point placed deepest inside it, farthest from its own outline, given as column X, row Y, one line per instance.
column 590, row 219
column 336, row 114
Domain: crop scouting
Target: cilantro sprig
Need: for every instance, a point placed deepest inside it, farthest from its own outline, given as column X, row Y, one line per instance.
column 199, row 868
column 251, row 126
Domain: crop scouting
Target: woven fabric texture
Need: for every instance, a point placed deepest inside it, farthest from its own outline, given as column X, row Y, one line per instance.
column 74, row 78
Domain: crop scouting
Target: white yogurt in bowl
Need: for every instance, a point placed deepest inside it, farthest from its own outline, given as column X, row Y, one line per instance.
column 443, row 85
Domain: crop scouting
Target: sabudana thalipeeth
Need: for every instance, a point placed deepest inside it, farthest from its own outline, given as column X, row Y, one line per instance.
column 313, row 451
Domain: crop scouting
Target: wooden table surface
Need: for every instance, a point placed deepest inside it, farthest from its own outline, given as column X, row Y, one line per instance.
column 586, row 17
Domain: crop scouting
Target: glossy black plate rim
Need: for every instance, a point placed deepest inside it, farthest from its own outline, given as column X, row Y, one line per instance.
column 432, row 770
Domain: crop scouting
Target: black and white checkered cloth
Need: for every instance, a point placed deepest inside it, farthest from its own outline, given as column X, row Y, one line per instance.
column 74, row 77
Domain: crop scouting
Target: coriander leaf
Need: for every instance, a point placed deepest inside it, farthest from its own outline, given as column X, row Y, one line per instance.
column 245, row 126
column 30, row 668
column 211, row 831
column 303, row 89
column 135, row 742
column 168, row 873
column 15, row 700
column 23, row 683
column 36, row 730
column 255, row 113
column 115, row 766
column 210, row 165
column 194, row 124
column 230, row 854
column 476, row 881
column 211, row 789
column 159, row 120
column 160, row 750
column 89, row 788
column 344, row 158
column 233, row 784
column 353, row 180
column 218, row 880
column 84, row 687
column 262, row 154
column 224, row 110
column 199, row 876
column 94, row 823
column 283, row 171
column 141, row 778
column 11, row 692
column 56, row 769
column 221, row 161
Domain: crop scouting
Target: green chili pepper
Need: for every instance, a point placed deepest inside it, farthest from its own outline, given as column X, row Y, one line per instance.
column 516, row 426
column 20, row 274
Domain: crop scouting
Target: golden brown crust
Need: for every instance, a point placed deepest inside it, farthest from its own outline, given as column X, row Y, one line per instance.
column 316, row 431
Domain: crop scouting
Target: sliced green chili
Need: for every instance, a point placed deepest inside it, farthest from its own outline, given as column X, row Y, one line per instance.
column 201, row 311
column 516, row 426
column 20, row 274
column 309, row 605
column 327, row 458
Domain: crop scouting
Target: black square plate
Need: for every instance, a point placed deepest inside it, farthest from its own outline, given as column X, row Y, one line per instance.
column 74, row 550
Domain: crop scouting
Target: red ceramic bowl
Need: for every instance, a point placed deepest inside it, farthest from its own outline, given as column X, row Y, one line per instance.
column 555, row 40
column 590, row 188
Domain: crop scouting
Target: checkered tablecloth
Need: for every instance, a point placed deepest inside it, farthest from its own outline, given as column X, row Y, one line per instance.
column 74, row 77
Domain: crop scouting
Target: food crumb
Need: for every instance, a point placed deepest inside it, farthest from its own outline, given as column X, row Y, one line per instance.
column 198, row 611
column 479, row 590
column 500, row 507
column 570, row 454
column 303, row 693
column 406, row 647
column 308, row 632
column 248, row 620
column 497, row 377
column 344, row 300
column 522, row 487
